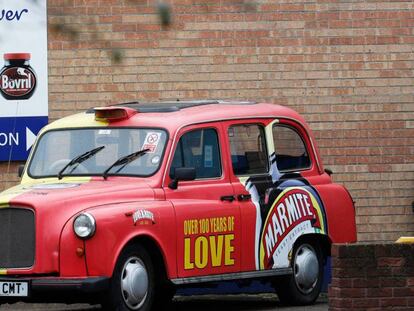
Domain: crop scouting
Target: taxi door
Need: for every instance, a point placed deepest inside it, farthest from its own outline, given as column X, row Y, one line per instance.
column 207, row 214
column 249, row 174
column 271, row 162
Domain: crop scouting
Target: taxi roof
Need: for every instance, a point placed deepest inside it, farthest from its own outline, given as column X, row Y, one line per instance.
column 174, row 115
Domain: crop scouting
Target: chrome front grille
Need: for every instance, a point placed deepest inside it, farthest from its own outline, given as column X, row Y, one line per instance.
column 17, row 238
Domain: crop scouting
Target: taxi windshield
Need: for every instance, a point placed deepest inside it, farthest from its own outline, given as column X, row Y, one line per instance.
column 57, row 148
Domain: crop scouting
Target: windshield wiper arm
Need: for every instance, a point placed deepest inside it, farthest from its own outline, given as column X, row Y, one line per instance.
column 124, row 161
column 79, row 159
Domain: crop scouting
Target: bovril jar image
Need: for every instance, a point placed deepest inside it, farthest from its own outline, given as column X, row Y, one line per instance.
column 17, row 77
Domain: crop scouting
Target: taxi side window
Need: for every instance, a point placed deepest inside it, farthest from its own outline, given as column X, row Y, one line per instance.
column 198, row 149
column 291, row 153
column 248, row 149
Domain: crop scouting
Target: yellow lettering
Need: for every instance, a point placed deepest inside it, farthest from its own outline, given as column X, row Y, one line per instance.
column 218, row 224
column 185, row 227
column 216, row 249
column 212, row 225
column 190, row 227
column 228, row 249
column 204, row 226
column 201, row 252
column 231, row 223
column 195, row 227
column 187, row 253
column 224, row 224
column 210, row 251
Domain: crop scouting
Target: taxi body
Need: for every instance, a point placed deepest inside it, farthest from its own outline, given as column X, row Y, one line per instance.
column 123, row 204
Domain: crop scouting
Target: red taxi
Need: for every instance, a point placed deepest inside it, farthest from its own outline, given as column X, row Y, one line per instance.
column 123, row 204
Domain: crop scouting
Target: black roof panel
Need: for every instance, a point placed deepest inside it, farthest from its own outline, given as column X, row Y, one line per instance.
column 171, row 106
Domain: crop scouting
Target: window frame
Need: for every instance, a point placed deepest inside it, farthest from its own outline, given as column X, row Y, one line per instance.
column 177, row 144
column 262, row 128
column 34, row 149
column 304, row 144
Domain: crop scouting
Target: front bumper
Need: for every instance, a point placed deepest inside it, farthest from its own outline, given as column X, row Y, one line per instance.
column 55, row 289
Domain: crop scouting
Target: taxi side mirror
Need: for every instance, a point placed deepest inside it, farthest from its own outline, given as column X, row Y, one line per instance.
column 182, row 173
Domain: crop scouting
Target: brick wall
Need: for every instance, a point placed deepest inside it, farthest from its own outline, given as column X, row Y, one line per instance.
column 346, row 65
column 372, row 277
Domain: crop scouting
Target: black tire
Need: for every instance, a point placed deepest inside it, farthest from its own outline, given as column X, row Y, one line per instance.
column 136, row 285
column 304, row 285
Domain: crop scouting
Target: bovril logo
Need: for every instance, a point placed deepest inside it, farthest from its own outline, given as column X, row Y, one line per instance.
column 17, row 78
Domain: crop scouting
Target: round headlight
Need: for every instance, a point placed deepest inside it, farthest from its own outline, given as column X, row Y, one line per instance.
column 84, row 226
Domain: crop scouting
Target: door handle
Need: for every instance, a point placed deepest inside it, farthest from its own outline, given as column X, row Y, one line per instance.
column 244, row 197
column 229, row 198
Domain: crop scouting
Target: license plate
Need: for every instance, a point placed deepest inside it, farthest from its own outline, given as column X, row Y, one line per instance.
column 14, row 289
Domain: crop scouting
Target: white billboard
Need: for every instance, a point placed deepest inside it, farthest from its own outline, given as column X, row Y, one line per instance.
column 23, row 75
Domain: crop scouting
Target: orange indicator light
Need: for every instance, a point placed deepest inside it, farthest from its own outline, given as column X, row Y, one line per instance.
column 80, row 251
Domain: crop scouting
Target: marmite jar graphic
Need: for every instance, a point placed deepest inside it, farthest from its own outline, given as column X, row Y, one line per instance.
column 17, row 78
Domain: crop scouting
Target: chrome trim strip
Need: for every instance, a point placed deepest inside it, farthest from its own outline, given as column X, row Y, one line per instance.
column 232, row 276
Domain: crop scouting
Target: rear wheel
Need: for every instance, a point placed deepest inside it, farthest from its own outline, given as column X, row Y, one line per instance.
column 304, row 285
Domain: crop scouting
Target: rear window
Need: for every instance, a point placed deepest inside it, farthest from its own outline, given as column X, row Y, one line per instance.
column 291, row 153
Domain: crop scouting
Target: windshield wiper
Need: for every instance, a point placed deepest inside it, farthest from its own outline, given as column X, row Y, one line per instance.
column 79, row 159
column 124, row 161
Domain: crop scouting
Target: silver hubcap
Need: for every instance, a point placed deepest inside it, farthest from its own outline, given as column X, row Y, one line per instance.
column 134, row 283
column 306, row 268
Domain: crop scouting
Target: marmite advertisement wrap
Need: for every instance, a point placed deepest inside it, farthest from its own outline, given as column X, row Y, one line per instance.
column 295, row 212
column 287, row 207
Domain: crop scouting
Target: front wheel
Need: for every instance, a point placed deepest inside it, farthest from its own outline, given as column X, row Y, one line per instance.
column 133, row 284
column 304, row 285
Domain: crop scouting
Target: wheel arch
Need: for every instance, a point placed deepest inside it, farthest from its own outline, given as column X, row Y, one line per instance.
column 154, row 249
column 322, row 240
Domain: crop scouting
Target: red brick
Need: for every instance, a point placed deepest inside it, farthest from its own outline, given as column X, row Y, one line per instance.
column 393, row 282
column 333, row 292
column 372, row 282
column 403, row 292
column 365, row 303
column 341, row 302
column 393, row 302
column 410, row 281
column 380, row 292
column 342, row 282
column 391, row 262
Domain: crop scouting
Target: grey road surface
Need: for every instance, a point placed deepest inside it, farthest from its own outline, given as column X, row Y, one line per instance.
column 242, row 302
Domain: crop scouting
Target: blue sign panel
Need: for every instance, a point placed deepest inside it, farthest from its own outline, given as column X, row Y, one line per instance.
column 17, row 135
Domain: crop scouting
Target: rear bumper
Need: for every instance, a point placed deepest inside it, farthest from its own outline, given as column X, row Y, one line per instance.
column 55, row 289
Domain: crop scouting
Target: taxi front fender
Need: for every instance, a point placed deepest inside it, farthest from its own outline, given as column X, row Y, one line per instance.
column 117, row 226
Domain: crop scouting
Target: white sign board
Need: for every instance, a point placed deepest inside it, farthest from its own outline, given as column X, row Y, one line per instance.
column 23, row 75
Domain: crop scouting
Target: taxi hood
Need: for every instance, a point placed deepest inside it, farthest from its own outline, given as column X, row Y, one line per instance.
column 75, row 195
